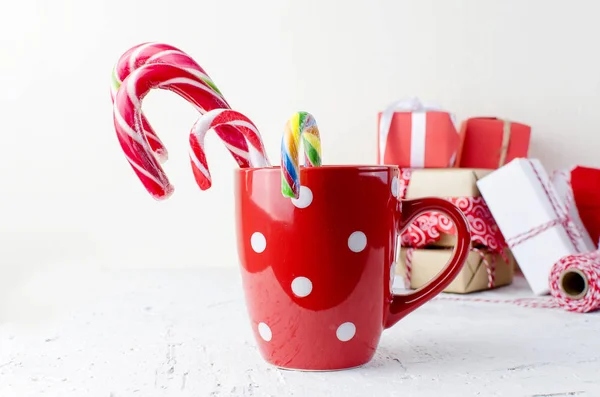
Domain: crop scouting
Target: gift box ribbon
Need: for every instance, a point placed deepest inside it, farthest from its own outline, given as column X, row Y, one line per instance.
column 505, row 142
column 562, row 218
column 418, row 111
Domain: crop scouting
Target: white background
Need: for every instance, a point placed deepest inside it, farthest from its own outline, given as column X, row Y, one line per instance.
column 69, row 200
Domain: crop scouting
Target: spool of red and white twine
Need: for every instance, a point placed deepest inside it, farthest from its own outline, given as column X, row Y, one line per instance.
column 575, row 282
column 574, row 286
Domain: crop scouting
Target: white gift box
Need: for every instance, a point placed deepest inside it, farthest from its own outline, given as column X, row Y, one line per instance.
column 534, row 219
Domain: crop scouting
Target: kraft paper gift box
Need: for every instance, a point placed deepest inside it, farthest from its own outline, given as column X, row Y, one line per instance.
column 489, row 142
column 416, row 135
column 445, row 182
column 427, row 240
column 425, row 264
column 533, row 218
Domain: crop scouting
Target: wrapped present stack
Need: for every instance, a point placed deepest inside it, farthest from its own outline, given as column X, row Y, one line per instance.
column 518, row 213
column 423, row 140
column 428, row 243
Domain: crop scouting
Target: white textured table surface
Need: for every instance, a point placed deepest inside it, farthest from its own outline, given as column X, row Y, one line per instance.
column 186, row 333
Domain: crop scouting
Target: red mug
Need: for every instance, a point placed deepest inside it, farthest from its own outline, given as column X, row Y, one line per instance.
column 317, row 271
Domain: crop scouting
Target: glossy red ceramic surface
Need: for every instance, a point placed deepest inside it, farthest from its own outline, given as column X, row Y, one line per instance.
column 317, row 271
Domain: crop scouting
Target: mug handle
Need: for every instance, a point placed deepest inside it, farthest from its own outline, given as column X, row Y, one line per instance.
column 402, row 305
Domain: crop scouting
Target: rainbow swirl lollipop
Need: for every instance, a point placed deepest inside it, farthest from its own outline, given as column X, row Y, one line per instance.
column 301, row 125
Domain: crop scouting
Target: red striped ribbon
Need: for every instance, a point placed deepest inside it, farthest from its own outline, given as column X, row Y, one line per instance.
column 562, row 217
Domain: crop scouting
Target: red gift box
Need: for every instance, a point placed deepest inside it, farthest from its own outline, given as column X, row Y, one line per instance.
column 586, row 192
column 489, row 142
column 416, row 135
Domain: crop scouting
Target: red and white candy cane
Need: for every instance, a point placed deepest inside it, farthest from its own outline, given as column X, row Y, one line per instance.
column 153, row 53
column 217, row 120
column 127, row 111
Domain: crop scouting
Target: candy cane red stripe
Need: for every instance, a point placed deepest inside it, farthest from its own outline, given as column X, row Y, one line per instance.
column 128, row 62
column 148, row 53
column 171, row 78
column 221, row 117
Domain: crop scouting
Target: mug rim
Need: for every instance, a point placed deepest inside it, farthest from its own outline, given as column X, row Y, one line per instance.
column 327, row 167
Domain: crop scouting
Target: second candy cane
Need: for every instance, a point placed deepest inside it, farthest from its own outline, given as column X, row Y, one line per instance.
column 217, row 120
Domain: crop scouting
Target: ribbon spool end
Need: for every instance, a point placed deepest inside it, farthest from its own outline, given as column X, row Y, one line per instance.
column 573, row 283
